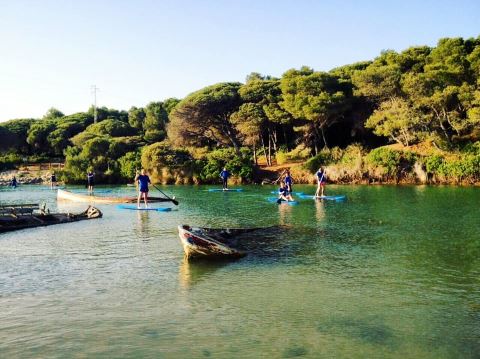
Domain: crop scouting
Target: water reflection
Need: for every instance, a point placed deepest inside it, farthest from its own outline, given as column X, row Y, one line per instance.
column 320, row 210
column 285, row 214
column 192, row 272
column 143, row 222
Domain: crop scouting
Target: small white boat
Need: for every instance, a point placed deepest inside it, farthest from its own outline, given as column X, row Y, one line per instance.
column 78, row 197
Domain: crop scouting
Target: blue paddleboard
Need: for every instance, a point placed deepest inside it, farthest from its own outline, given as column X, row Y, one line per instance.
column 328, row 198
column 135, row 208
column 295, row 193
column 225, row 190
column 274, row 200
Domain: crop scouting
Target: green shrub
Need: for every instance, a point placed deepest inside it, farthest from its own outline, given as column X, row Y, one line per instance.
column 433, row 163
column 324, row 158
column 239, row 165
column 162, row 154
column 128, row 164
column 10, row 160
column 352, row 154
column 386, row 158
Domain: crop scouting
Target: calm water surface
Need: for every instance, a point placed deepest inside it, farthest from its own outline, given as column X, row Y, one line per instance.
column 393, row 272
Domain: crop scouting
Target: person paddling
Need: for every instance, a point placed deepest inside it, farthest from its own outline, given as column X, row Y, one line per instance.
column 288, row 181
column 284, row 194
column 53, row 180
column 321, row 178
column 224, row 175
column 90, row 180
column 143, row 181
column 14, row 182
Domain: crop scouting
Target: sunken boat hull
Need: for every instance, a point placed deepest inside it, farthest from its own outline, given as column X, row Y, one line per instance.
column 13, row 218
column 207, row 242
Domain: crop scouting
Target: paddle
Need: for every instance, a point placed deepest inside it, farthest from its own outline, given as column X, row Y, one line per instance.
column 174, row 201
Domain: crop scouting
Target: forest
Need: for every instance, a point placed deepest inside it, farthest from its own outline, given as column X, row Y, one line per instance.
column 405, row 116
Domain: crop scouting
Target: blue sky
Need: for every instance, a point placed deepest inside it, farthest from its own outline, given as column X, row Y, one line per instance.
column 51, row 52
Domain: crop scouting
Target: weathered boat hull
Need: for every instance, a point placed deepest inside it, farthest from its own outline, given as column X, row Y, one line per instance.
column 13, row 223
column 63, row 195
column 207, row 242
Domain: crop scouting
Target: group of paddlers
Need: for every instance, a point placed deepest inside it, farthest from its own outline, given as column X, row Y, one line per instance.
column 143, row 180
column 286, row 185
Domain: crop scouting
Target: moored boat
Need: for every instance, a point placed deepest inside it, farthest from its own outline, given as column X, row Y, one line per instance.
column 16, row 217
column 78, row 197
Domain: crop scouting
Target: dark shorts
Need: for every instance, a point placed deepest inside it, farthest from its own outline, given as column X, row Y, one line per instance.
column 90, row 182
column 143, row 190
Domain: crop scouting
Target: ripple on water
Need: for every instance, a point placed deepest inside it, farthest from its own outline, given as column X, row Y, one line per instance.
column 387, row 273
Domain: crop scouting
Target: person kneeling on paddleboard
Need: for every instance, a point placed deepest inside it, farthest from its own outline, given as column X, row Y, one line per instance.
column 143, row 181
column 284, row 194
column 224, row 175
column 321, row 178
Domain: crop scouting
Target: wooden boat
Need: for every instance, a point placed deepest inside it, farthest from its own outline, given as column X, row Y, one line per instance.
column 78, row 197
column 15, row 217
column 208, row 242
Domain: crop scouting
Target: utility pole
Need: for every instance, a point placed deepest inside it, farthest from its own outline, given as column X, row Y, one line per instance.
column 94, row 91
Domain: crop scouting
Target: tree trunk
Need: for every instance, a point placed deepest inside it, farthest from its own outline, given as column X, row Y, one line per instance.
column 264, row 149
column 255, row 155
column 323, row 137
column 269, row 150
column 285, row 137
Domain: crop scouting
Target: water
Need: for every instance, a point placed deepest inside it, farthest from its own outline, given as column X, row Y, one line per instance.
column 393, row 272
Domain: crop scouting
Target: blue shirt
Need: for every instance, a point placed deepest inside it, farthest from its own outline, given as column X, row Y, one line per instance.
column 288, row 180
column 283, row 191
column 224, row 174
column 143, row 180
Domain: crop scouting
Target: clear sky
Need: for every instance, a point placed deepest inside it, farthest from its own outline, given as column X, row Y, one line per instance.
column 52, row 51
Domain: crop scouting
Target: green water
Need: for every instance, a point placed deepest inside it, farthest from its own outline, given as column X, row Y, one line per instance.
column 393, row 272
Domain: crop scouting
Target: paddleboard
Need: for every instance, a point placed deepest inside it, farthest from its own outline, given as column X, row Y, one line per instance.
column 135, row 208
column 274, row 200
column 225, row 190
column 295, row 193
column 328, row 198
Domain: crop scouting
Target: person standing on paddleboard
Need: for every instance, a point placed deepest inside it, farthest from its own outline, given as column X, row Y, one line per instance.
column 90, row 181
column 143, row 181
column 288, row 182
column 53, row 180
column 224, row 175
column 14, row 182
column 321, row 178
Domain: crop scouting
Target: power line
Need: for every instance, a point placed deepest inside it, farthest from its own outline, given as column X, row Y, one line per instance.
column 94, row 89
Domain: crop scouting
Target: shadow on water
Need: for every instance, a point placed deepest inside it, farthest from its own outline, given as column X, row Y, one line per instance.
column 371, row 331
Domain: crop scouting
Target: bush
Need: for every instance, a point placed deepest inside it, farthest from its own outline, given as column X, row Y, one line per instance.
column 324, row 158
column 9, row 160
column 385, row 158
column 299, row 153
column 129, row 164
column 214, row 162
column 352, row 155
column 161, row 154
column 433, row 163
